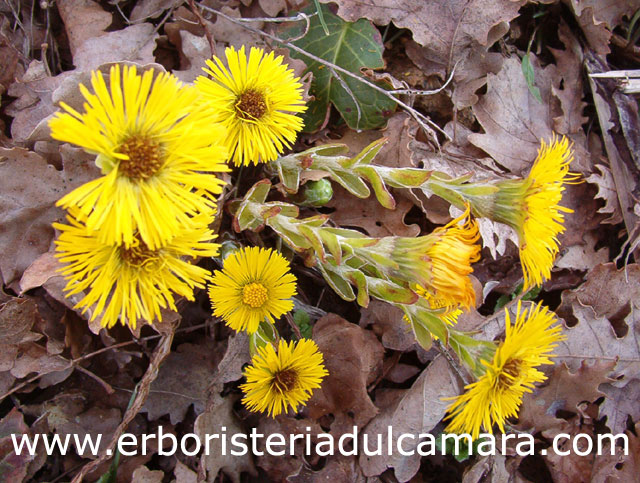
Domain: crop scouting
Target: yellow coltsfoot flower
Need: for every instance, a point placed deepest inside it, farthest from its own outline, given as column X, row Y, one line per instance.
column 542, row 216
column 257, row 99
column 157, row 151
column 451, row 255
column 497, row 394
column 277, row 381
column 131, row 283
column 254, row 285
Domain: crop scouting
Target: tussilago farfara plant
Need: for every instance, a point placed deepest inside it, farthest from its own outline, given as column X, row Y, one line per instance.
column 531, row 205
column 132, row 233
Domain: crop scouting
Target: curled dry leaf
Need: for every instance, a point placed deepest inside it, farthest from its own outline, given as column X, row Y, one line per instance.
column 353, row 357
column 83, row 20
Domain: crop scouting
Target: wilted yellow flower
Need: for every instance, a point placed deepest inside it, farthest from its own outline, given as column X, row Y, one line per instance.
column 497, row 394
column 132, row 283
column 157, row 151
column 450, row 257
column 257, row 100
column 283, row 379
column 254, row 285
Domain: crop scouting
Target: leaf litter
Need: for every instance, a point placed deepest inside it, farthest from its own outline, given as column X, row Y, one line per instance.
column 58, row 377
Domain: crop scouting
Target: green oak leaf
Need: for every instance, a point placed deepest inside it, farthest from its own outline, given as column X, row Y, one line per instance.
column 352, row 46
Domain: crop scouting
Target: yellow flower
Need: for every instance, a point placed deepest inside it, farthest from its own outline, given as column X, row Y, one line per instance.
column 254, row 284
column 283, row 379
column 451, row 256
column 156, row 150
column 131, row 283
column 497, row 394
column 257, row 99
column 447, row 313
column 542, row 214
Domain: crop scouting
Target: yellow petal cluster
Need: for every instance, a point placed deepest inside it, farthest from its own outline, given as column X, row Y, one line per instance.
column 284, row 378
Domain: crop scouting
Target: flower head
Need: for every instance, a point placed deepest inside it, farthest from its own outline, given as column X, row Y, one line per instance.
column 497, row 394
column 451, row 255
column 257, row 99
column 158, row 154
column 254, row 284
column 131, row 283
column 532, row 207
column 283, row 379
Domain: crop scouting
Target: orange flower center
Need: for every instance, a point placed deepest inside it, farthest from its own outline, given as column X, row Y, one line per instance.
column 137, row 254
column 251, row 105
column 145, row 158
column 255, row 295
column 509, row 374
column 285, row 380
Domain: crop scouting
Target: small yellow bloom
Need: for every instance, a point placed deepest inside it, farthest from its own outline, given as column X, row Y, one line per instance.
column 497, row 394
column 131, row 283
column 254, row 284
column 257, row 100
column 283, row 379
column 157, row 151
column 451, row 256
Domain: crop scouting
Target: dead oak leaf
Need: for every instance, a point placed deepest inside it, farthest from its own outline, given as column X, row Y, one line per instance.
column 565, row 390
column 444, row 26
column 513, row 120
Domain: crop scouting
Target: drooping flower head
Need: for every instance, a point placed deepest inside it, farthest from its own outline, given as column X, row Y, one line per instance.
column 451, row 255
column 531, row 206
column 277, row 381
column 257, row 99
column 158, row 153
column 254, row 285
column 131, row 283
column 497, row 394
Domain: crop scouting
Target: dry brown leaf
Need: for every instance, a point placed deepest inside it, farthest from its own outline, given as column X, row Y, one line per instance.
column 220, row 413
column 513, row 120
column 474, row 63
column 143, row 474
column 369, row 215
column 338, row 468
column 609, row 468
column 414, row 411
column 151, row 9
column 236, row 356
column 280, row 468
column 68, row 414
column 609, row 12
column 568, row 468
column 353, row 357
column 568, row 86
column 607, row 192
column 603, row 314
column 564, row 391
column 184, row 474
column 387, row 323
column 83, row 20
column 29, row 189
column 134, row 44
column 14, row 467
column 444, row 27
column 182, row 381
